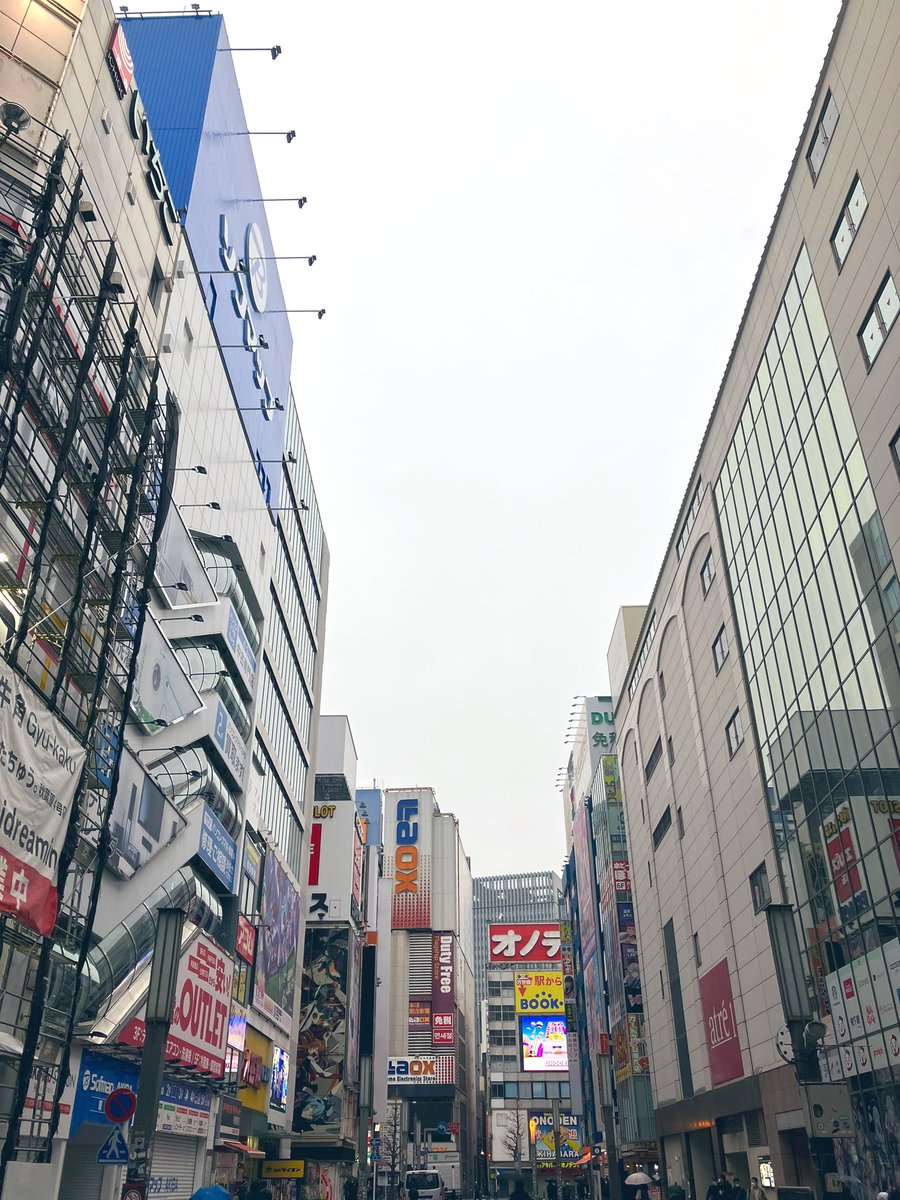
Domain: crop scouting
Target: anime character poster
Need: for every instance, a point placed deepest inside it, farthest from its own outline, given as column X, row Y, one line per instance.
column 276, row 958
column 322, row 1038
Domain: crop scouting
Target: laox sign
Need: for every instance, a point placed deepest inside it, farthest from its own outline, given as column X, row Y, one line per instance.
column 406, row 856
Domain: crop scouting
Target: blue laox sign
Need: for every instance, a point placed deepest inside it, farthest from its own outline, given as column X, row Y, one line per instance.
column 251, row 290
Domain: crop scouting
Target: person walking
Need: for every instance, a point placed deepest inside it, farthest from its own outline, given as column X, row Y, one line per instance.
column 518, row 1192
column 350, row 1188
column 756, row 1191
column 551, row 1190
column 737, row 1192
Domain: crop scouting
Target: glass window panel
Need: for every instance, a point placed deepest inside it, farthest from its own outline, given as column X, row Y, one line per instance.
column 828, row 365
column 805, row 351
column 888, row 303
column 817, row 472
column 782, row 326
column 871, row 337
column 773, row 354
column 792, row 298
column 793, row 441
column 830, row 118
column 828, row 440
column 856, row 470
column 842, row 239
column 829, row 518
column 815, row 390
column 802, row 269
column 857, row 204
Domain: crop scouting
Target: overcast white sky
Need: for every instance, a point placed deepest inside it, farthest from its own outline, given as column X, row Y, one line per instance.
column 536, row 227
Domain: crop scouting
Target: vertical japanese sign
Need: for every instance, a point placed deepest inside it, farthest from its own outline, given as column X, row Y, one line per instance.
column 40, row 765
column 199, row 1031
column 443, row 988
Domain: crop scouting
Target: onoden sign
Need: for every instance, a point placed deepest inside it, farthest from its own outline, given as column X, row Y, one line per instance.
column 539, row 992
column 40, row 766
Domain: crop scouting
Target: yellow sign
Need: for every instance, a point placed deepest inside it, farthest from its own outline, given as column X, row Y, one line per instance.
column 253, row 1092
column 284, row 1168
column 539, row 993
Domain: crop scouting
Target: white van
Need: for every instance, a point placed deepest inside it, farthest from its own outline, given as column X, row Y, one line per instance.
column 427, row 1183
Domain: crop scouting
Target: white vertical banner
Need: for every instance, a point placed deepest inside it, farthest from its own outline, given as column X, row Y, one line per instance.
column 40, row 766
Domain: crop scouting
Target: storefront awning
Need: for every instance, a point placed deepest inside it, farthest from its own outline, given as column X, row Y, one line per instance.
column 240, row 1148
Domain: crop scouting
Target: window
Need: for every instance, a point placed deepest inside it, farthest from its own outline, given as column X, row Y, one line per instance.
column 564, row 1092
column 496, row 1091
column 879, row 319
column 679, row 817
column 493, row 987
column 895, row 451
column 653, row 760
column 734, row 733
column 689, row 520
column 759, row 888
column 643, row 654
column 707, row 573
column 493, row 1012
column 508, row 1012
column 495, row 1038
column 822, row 135
column 511, row 1091
column 662, row 686
column 697, row 958
column 538, row 1090
column 643, row 811
column 662, row 827
column 671, row 751
column 720, row 649
column 851, row 216
column 155, row 291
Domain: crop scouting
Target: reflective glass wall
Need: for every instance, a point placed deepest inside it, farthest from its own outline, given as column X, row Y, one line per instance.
column 817, row 599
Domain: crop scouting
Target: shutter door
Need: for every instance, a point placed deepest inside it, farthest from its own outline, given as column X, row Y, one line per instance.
column 82, row 1175
column 172, row 1167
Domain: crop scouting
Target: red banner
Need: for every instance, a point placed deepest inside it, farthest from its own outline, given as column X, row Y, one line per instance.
column 723, row 1044
column 245, row 941
column 535, row 943
column 844, row 871
column 199, row 1029
column 443, row 988
column 315, row 852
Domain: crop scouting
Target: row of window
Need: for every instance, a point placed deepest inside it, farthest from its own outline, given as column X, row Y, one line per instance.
column 534, row 1089
column 291, row 601
column 274, row 719
column 501, row 1012
column 689, row 520
column 276, row 816
column 503, row 1037
column 642, row 656
column 496, row 986
column 280, row 648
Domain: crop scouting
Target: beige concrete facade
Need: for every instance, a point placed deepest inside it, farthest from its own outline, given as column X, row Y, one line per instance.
column 697, row 872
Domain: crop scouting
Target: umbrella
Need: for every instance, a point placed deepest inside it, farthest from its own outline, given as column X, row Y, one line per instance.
column 638, row 1179
column 213, row 1192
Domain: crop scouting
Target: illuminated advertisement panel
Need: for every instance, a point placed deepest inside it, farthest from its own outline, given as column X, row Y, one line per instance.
column 540, row 1132
column 443, row 989
column 544, row 1045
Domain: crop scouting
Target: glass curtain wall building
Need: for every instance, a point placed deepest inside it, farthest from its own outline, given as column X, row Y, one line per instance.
column 817, row 601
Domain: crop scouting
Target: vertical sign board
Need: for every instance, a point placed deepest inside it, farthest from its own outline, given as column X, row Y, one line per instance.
column 587, row 891
column 199, row 1030
column 443, row 989
column 40, row 766
column 720, row 1025
column 408, row 856
column 601, row 727
column 331, row 860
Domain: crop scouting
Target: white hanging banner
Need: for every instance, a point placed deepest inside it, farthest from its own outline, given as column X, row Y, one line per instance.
column 40, row 766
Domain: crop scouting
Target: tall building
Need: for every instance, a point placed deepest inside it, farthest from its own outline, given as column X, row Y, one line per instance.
column 758, row 705
column 532, row 896
column 524, row 1048
column 613, row 1060
column 198, row 788
column 426, row 1068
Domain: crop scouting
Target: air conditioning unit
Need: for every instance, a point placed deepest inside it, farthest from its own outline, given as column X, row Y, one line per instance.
column 167, row 344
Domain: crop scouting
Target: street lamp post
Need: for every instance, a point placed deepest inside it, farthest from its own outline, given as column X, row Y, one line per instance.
column 160, row 1001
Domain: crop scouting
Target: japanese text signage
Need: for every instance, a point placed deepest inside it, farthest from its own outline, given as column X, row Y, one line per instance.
column 536, row 943
column 622, row 876
column 217, row 849
column 539, row 992
column 40, row 766
column 443, row 988
column 245, row 939
column 720, row 1025
column 540, row 1133
column 199, row 1029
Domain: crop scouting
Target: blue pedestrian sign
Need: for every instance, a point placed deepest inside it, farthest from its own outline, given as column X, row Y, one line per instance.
column 114, row 1151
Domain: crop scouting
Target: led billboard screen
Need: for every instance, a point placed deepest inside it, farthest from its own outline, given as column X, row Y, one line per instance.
column 544, row 1045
